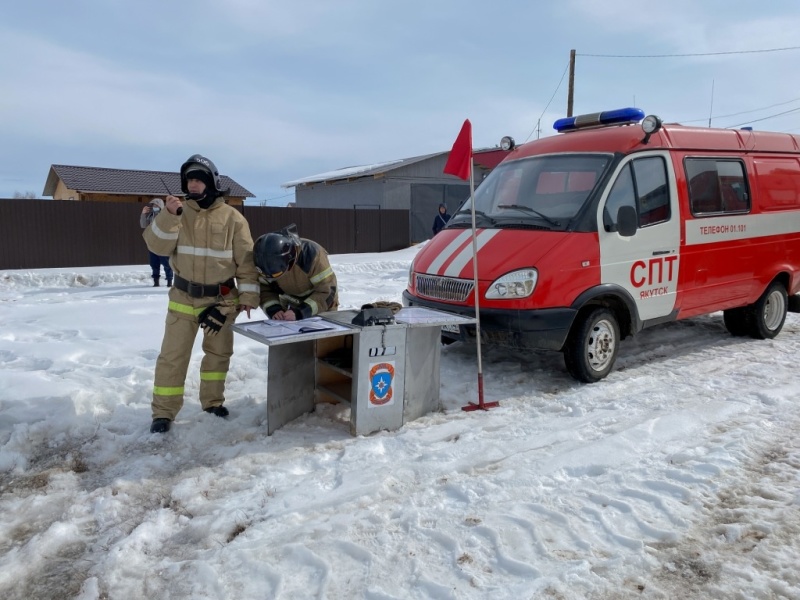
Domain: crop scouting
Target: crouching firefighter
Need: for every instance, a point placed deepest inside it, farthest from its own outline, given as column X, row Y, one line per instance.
column 215, row 278
column 297, row 281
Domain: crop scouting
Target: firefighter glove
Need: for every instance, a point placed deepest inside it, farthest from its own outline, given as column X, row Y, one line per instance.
column 393, row 306
column 211, row 320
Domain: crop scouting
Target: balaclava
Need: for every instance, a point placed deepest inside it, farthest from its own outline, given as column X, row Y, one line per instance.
column 205, row 177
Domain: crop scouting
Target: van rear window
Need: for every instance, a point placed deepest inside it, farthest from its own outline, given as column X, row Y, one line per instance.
column 778, row 182
column 716, row 186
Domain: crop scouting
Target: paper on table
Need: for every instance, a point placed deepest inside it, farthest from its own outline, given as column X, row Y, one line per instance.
column 273, row 329
column 267, row 329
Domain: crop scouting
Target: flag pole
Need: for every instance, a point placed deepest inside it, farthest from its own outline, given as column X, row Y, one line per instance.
column 481, row 404
column 461, row 164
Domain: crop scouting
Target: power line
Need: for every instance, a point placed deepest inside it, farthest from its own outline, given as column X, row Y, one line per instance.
column 689, row 54
column 276, row 198
column 744, row 112
column 786, row 112
column 549, row 101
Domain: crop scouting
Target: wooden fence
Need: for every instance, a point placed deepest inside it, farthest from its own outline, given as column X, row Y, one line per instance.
column 42, row 234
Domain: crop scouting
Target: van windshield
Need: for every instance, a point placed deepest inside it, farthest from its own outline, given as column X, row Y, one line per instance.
column 545, row 192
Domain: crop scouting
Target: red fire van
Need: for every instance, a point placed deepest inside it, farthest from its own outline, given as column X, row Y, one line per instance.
column 607, row 228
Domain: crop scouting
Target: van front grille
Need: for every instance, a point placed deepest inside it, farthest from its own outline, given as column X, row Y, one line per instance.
column 444, row 288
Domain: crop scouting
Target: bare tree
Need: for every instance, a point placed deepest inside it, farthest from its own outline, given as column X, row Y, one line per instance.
column 24, row 195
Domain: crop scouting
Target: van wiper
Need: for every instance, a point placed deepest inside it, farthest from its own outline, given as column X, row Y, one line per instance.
column 528, row 209
column 478, row 213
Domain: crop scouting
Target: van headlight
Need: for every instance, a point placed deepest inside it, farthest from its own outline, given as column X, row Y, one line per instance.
column 514, row 285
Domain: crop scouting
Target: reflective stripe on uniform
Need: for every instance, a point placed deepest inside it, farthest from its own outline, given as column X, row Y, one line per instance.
column 266, row 305
column 213, row 376
column 313, row 305
column 249, row 287
column 159, row 390
column 160, row 233
column 195, row 251
column 292, row 300
column 321, row 276
column 185, row 308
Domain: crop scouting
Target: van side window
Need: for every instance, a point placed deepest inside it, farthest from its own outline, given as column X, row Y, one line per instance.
column 716, row 186
column 642, row 183
column 652, row 190
column 621, row 194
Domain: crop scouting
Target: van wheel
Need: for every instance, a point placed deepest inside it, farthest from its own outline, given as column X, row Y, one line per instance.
column 592, row 345
column 736, row 321
column 767, row 315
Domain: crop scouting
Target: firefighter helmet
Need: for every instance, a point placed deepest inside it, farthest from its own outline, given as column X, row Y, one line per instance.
column 198, row 162
column 276, row 252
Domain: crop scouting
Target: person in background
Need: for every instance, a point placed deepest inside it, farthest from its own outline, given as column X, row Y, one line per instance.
column 441, row 219
column 149, row 212
column 297, row 281
column 211, row 252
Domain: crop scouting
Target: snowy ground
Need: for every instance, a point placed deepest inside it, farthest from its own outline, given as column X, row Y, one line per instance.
column 676, row 477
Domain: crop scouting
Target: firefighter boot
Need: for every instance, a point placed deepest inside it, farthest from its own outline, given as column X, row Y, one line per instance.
column 155, row 281
column 220, row 411
column 160, row 425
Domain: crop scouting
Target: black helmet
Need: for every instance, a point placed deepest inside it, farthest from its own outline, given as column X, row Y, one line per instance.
column 197, row 162
column 276, row 252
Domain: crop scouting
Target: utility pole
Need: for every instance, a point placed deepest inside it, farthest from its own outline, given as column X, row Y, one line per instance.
column 571, row 92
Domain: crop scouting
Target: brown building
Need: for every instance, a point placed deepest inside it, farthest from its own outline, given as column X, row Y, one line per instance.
column 65, row 182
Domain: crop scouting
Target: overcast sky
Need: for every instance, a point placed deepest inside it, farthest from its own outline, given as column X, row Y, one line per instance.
column 274, row 91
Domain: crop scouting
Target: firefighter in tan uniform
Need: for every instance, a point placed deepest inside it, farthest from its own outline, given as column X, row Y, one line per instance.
column 297, row 281
column 211, row 253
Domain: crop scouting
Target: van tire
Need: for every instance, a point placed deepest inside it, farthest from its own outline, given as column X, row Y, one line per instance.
column 737, row 321
column 592, row 345
column 767, row 316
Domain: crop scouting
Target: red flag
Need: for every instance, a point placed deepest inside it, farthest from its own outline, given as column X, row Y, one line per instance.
column 459, row 163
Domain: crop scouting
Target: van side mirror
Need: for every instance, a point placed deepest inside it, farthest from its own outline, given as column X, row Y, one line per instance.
column 627, row 221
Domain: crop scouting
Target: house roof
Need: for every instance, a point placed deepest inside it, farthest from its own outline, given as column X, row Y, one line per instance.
column 126, row 181
column 488, row 158
column 360, row 171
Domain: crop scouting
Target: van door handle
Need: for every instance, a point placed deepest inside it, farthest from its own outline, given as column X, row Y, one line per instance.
column 660, row 252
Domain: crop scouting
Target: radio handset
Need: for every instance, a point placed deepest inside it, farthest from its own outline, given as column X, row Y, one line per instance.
column 189, row 196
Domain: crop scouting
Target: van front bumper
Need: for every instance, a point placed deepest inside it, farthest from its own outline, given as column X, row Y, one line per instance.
column 545, row 328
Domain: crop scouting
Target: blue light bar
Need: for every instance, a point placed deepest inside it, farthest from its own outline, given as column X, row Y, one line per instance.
column 620, row 116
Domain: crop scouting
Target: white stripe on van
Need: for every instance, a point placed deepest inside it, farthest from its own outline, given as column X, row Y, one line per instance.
column 445, row 254
column 455, row 267
column 741, row 227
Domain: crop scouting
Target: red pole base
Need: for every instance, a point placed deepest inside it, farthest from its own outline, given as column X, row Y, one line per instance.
column 481, row 405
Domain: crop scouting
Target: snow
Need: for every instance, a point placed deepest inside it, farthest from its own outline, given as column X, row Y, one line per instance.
column 675, row 477
column 339, row 173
